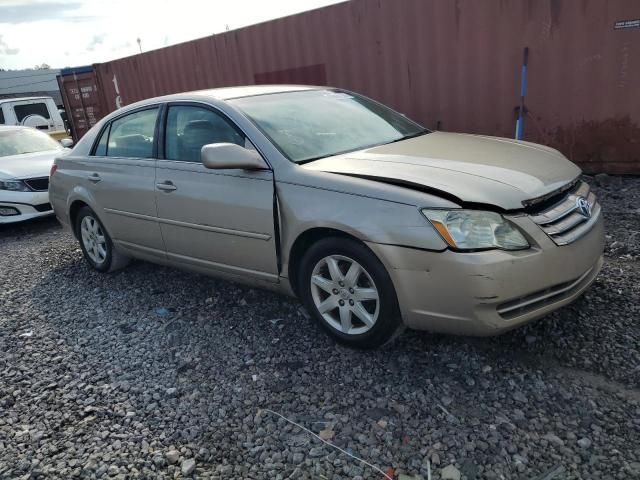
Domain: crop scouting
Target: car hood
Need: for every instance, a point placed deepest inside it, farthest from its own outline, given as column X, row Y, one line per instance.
column 28, row 165
column 471, row 168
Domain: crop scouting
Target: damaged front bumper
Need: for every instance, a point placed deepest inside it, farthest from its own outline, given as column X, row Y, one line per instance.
column 489, row 292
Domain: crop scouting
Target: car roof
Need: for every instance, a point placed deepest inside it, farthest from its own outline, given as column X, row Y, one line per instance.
column 225, row 93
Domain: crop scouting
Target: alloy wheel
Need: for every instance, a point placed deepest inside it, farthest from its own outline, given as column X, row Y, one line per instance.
column 345, row 294
column 93, row 239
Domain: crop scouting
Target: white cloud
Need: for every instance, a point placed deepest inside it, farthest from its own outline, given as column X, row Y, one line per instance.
column 67, row 33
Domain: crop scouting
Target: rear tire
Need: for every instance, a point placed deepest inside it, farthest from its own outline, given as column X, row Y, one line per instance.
column 348, row 291
column 96, row 244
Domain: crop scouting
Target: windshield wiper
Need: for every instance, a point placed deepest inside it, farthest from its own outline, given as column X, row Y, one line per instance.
column 413, row 135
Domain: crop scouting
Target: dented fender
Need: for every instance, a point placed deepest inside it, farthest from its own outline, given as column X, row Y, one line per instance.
column 303, row 207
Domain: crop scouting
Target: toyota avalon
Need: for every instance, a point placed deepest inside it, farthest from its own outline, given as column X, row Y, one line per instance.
column 373, row 221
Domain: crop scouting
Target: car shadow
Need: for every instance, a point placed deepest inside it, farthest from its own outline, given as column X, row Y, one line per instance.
column 34, row 226
column 186, row 316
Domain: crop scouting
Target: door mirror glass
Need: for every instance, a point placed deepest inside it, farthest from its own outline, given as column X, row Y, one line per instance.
column 230, row 156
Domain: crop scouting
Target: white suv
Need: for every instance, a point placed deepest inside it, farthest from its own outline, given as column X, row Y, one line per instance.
column 37, row 112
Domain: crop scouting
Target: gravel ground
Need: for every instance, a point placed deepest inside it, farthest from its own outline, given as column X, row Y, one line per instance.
column 157, row 373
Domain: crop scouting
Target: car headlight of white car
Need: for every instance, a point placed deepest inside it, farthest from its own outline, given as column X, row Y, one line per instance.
column 14, row 185
column 476, row 230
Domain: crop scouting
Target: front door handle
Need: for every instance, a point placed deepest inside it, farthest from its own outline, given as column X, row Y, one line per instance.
column 94, row 177
column 166, row 186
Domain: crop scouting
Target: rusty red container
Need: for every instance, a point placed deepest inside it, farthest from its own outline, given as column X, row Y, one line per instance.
column 453, row 65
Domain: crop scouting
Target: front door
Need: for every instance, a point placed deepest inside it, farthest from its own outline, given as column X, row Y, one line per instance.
column 215, row 219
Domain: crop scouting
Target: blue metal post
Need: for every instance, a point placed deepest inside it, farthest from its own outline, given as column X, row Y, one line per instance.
column 523, row 89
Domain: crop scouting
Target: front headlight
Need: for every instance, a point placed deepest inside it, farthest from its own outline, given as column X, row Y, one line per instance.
column 14, row 185
column 475, row 229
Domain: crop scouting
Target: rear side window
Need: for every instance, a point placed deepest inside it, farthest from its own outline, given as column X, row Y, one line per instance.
column 1, row 116
column 189, row 128
column 23, row 111
column 131, row 135
column 101, row 146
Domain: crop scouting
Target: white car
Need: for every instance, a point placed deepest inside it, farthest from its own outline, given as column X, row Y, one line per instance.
column 26, row 156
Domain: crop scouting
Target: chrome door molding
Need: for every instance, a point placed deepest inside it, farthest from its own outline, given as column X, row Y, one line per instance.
column 195, row 226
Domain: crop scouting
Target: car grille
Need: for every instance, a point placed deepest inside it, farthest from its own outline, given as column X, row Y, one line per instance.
column 565, row 222
column 529, row 303
column 38, row 184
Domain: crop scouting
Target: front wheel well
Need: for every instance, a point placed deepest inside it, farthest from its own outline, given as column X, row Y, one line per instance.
column 303, row 242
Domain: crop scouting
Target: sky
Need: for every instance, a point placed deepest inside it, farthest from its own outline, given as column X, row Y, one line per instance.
column 70, row 33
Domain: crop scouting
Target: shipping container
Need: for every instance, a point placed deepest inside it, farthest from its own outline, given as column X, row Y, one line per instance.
column 452, row 65
column 82, row 98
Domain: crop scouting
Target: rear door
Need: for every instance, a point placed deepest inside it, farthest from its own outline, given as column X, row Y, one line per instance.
column 120, row 177
column 214, row 219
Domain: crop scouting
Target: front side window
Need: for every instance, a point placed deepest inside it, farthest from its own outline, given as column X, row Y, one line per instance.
column 1, row 116
column 189, row 128
column 23, row 111
column 25, row 140
column 132, row 135
column 311, row 124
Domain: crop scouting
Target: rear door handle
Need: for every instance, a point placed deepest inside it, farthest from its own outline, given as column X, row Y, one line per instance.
column 166, row 186
column 94, row 177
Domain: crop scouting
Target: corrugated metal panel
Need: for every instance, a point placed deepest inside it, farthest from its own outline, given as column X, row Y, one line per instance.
column 450, row 63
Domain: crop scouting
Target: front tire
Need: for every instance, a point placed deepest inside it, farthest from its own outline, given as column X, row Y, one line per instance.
column 96, row 244
column 349, row 292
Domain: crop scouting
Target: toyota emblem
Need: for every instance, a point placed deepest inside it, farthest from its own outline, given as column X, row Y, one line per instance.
column 583, row 206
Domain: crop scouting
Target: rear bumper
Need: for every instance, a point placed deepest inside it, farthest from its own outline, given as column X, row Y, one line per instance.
column 486, row 293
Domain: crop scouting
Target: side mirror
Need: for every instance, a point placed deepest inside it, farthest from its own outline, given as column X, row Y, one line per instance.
column 66, row 142
column 229, row 156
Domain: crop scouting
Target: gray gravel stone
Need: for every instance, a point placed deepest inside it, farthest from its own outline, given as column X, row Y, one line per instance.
column 450, row 472
column 172, row 456
column 584, row 443
column 104, row 387
column 188, row 466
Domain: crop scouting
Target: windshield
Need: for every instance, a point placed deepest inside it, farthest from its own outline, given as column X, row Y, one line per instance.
column 25, row 140
column 312, row 124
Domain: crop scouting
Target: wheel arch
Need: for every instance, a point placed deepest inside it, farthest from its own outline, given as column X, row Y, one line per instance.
column 74, row 208
column 77, row 198
column 303, row 241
